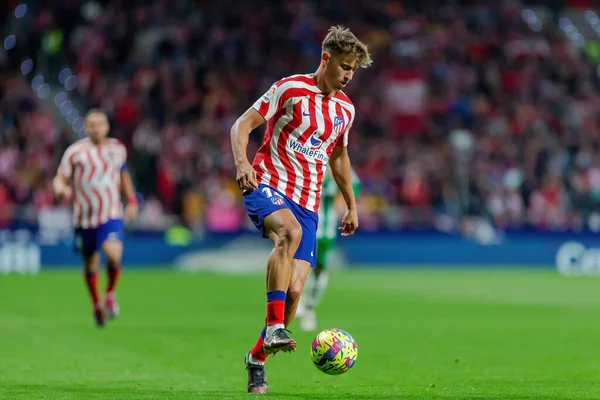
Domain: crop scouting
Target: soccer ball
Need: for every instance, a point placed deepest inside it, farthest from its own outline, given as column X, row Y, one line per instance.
column 333, row 351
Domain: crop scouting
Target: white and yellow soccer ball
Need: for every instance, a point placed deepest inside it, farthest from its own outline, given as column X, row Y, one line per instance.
column 334, row 351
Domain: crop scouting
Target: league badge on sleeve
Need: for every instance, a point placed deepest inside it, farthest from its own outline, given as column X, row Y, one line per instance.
column 270, row 93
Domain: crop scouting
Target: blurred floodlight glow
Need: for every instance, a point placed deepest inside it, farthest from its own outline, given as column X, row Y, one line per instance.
column 43, row 91
column 37, row 82
column 26, row 66
column 71, row 82
column 20, row 10
column 77, row 124
column 60, row 98
column 63, row 75
column 564, row 22
column 10, row 42
column 591, row 17
column 72, row 115
column 65, row 107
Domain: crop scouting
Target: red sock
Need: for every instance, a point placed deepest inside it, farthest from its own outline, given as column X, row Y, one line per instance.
column 91, row 280
column 257, row 351
column 113, row 277
column 275, row 307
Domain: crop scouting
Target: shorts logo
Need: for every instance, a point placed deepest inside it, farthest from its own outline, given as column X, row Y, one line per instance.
column 278, row 201
column 78, row 242
column 113, row 236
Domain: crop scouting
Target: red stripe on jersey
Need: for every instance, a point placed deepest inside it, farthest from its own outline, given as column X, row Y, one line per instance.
column 95, row 192
column 90, row 205
column 104, row 173
column 264, row 154
column 75, row 153
column 77, row 179
column 282, row 148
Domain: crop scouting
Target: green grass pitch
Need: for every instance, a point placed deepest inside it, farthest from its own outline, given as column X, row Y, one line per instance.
column 422, row 334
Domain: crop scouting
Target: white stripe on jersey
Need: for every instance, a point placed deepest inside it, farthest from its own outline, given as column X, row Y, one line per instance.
column 295, row 134
column 313, row 174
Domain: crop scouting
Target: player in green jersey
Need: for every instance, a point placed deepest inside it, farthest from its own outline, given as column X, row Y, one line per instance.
column 327, row 233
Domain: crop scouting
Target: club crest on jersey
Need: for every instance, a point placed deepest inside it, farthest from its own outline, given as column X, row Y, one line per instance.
column 338, row 124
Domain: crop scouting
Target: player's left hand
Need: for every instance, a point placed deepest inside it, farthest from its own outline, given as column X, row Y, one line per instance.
column 349, row 222
column 131, row 212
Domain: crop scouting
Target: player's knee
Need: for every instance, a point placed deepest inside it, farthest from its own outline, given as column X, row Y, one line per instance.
column 288, row 237
column 113, row 262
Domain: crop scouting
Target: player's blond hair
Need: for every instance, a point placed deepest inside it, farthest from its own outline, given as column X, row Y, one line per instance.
column 340, row 41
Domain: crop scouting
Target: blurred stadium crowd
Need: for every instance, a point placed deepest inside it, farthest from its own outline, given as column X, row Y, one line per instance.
column 466, row 112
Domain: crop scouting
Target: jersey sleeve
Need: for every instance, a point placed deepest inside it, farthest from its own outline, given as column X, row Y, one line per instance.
column 123, row 156
column 65, row 168
column 271, row 102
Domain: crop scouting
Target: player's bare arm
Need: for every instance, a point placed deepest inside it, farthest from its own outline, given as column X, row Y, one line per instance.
column 60, row 185
column 240, row 132
column 128, row 191
column 339, row 162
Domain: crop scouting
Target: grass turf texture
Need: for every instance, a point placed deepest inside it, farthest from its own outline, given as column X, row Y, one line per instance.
column 422, row 334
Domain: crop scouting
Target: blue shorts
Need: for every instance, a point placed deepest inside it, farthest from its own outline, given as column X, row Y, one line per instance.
column 265, row 200
column 89, row 241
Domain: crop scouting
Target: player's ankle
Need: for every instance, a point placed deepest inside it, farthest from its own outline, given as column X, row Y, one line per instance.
column 253, row 360
column 274, row 327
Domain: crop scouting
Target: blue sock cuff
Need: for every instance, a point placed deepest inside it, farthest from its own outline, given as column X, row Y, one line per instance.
column 263, row 333
column 276, row 295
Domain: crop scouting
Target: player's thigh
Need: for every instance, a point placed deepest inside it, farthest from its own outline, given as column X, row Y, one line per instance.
column 110, row 236
column 113, row 251
column 270, row 212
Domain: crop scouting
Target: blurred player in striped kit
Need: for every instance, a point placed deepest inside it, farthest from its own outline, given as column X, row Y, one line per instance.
column 327, row 234
column 94, row 171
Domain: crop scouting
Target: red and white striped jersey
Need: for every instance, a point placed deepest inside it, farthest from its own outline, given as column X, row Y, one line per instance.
column 303, row 127
column 96, row 175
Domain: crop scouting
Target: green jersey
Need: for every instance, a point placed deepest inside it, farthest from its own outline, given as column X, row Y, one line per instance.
column 329, row 221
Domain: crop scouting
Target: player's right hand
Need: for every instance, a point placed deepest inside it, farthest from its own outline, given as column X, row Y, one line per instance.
column 65, row 192
column 246, row 177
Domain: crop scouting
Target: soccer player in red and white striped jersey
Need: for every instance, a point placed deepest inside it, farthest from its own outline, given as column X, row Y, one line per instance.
column 308, row 122
column 94, row 171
